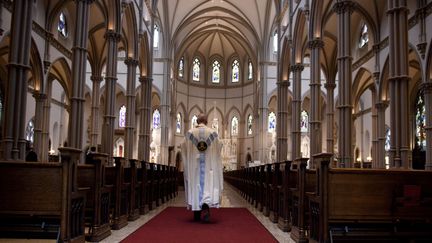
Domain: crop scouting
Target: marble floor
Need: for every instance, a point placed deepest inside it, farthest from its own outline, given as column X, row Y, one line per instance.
column 230, row 198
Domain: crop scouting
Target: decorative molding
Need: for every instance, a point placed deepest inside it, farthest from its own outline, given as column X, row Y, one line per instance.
column 143, row 79
column 131, row 62
column 344, row 7
column 48, row 36
column 426, row 87
column 316, row 44
column 297, row 67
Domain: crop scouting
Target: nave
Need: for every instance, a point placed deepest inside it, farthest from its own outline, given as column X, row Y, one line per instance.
column 230, row 198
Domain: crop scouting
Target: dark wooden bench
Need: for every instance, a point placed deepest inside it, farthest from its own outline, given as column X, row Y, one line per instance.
column 41, row 200
column 97, row 211
column 306, row 182
column 288, row 180
column 357, row 205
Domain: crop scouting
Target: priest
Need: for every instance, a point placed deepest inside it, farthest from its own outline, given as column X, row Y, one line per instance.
column 203, row 178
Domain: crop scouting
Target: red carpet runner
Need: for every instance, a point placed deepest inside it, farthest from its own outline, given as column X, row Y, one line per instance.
column 175, row 224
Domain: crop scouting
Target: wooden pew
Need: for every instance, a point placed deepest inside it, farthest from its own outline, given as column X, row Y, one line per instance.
column 288, row 181
column 276, row 181
column 91, row 177
column 352, row 205
column 41, row 199
column 267, row 189
column 114, row 176
column 299, row 210
column 131, row 179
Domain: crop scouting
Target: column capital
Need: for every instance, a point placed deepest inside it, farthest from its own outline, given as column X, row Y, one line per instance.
column 39, row 96
column 344, row 6
column 131, row 61
column 284, row 83
column 328, row 85
column 382, row 105
column 316, row 43
column 298, row 67
column 112, row 35
column 143, row 79
column 96, row 78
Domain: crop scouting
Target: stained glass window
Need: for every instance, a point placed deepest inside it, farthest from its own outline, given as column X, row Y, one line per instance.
column 250, row 70
column 178, row 123
column 387, row 139
column 235, row 71
column 181, row 67
column 156, row 119
column 234, row 126
column 275, row 42
column 196, row 70
column 304, row 121
column 156, row 36
column 62, row 25
column 215, row 125
column 420, row 116
column 271, row 122
column 249, row 124
column 122, row 116
column 30, row 131
column 364, row 37
column 194, row 122
column 216, row 72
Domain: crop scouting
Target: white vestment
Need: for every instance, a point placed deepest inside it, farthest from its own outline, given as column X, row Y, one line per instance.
column 203, row 176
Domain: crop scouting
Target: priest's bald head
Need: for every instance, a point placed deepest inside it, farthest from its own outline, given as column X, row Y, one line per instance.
column 202, row 118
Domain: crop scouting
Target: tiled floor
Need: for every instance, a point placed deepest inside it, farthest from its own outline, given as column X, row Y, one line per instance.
column 230, row 198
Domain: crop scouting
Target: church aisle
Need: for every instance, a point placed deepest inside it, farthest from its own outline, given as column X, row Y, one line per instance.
column 230, row 198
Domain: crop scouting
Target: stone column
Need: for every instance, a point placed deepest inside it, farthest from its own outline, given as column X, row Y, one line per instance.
column 315, row 106
column 130, row 106
column 241, row 153
column 79, row 58
column 296, row 110
column 375, row 145
column 427, row 91
column 344, row 10
column 145, row 119
column 38, row 129
column 112, row 39
column 381, row 133
column 262, row 119
column 14, row 142
column 44, row 148
column 165, row 112
column 398, row 88
column 282, row 120
column 94, row 132
column 330, row 86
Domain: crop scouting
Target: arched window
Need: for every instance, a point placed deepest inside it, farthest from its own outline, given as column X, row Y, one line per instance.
column 249, row 124
column 387, row 140
column 194, row 122
column 364, row 37
column 250, row 70
column 156, row 36
column 235, row 71
column 62, row 25
column 271, row 122
column 216, row 72
column 30, row 131
column 196, row 70
column 156, row 119
column 122, row 116
column 178, row 123
column 275, row 42
column 234, row 126
column 215, row 125
column 304, row 121
column 181, row 68
column 420, row 121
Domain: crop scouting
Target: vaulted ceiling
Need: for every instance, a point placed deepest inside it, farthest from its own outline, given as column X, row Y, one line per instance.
column 217, row 27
